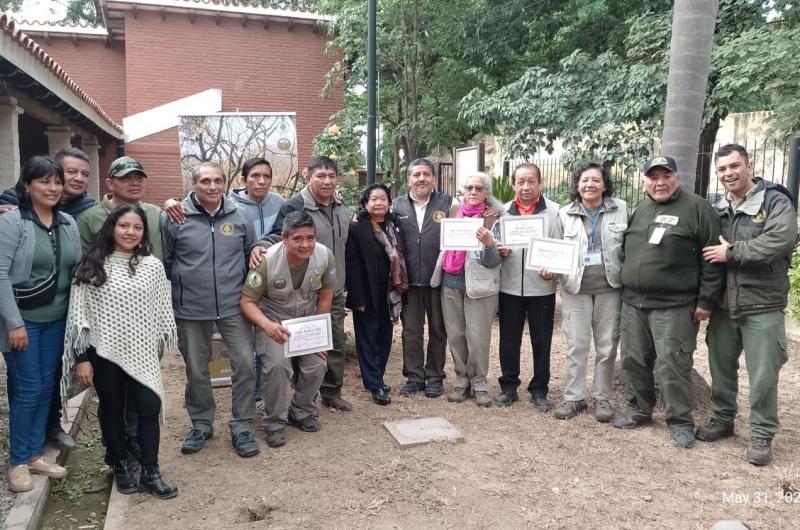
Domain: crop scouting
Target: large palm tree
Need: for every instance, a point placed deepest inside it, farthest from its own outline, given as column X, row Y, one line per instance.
column 693, row 25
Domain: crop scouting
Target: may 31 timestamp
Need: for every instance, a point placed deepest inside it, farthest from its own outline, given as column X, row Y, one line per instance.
column 761, row 497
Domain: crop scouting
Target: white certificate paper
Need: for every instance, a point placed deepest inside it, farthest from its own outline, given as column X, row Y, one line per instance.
column 308, row 335
column 556, row 255
column 516, row 231
column 459, row 233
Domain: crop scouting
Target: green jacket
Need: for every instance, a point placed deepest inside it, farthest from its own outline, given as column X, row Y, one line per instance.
column 671, row 272
column 761, row 234
column 91, row 221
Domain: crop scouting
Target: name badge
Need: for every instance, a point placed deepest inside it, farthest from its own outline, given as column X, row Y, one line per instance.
column 658, row 233
column 667, row 219
column 592, row 258
column 316, row 282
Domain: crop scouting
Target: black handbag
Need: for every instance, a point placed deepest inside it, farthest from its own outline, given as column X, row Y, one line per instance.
column 38, row 292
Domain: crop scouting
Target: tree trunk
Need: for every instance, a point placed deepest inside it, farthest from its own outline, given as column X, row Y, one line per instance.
column 705, row 157
column 693, row 25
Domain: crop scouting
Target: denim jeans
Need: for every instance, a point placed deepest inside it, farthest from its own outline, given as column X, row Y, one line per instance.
column 31, row 381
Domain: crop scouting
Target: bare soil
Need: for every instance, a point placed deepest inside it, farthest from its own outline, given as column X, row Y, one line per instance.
column 516, row 468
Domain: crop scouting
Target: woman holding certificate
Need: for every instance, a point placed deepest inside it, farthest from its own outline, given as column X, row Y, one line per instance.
column 470, row 282
column 591, row 296
column 376, row 280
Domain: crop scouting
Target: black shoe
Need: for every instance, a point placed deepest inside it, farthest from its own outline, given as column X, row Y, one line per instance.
column 387, row 388
column 411, row 388
column 245, row 445
column 123, row 476
column 307, row 424
column 434, row 389
column 195, row 440
column 56, row 437
column 505, row 399
column 541, row 403
column 380, row 397
column 276, row 438
column 623, row 421
column 714, row 430
column 153, row 484
column 134, row 449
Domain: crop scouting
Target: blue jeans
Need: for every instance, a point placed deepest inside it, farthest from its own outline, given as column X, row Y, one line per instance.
column 31, row 378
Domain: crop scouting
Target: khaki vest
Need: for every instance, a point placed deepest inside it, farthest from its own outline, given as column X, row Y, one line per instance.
column 280, row 300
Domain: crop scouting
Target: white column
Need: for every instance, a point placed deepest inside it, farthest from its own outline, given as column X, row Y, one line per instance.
column 58, row 138
column 90, row 148
column 9, row 141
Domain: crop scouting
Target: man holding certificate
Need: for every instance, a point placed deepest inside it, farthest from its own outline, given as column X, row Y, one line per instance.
column 296, row 278
column 668, row 289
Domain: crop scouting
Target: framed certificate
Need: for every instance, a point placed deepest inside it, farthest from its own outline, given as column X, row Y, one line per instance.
column 555, row 255
column 459, row 234
column 308, row 335
column 516, row 231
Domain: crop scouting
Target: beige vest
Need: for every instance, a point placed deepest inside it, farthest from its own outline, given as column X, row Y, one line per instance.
column 280, row 300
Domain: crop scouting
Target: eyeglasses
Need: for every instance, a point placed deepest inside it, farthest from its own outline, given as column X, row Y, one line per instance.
column 470, row 187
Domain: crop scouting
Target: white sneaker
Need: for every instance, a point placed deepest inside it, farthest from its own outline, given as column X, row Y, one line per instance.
column 19, row 478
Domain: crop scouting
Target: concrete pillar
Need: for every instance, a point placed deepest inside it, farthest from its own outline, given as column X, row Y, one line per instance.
column 9, row 141
column 58, row 138
column 90, row 146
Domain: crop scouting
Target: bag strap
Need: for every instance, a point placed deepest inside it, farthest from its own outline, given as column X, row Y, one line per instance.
column 57, row 249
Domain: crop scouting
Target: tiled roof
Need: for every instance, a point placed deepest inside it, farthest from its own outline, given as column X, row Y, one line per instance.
column 294, row 5
column 12, row 30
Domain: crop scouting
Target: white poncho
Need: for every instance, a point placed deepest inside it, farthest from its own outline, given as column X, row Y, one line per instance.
column 128, row 320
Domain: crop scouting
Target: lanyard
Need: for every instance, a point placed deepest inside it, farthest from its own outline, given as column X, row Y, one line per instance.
column 594, row 218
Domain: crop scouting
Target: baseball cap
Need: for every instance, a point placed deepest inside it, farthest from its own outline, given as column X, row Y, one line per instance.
column 124, row 165
column 661, row 161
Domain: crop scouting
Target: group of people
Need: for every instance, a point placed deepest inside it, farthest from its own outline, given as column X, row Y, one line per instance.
column 96, row 292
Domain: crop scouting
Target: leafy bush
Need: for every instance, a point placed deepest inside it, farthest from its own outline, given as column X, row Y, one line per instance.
column 794, row 284
column 502, row 189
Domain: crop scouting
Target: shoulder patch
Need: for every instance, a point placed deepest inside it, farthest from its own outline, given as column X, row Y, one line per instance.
column 760, row 217
column 254, row 279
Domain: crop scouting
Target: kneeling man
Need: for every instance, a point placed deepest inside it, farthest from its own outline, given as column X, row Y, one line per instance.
column 295, row 279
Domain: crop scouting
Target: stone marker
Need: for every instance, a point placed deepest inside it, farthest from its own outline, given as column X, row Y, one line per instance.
column 730, row 525
column 411, row 433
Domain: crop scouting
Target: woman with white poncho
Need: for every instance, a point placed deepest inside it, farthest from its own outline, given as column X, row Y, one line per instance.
column 120, row 319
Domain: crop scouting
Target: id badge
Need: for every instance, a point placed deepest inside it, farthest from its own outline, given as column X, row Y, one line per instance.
column 592, row 258
column 658, row 233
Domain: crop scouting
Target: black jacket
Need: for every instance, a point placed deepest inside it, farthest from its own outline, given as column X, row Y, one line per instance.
column 421, row 248
column 368, row 268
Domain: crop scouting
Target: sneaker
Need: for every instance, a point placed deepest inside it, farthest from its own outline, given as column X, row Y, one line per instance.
column 760, row 451
column 684, row 438
column 260, row 405
column 482, row 398
column 337, row 403
column 714, row 430
column 19, row 478
column 411, row 388
column 246, row 446
column 458, row 394
column 541, row 403
column 60, row 440
column 307, row 424
column 569, row 409
column 42, row 467
column 603, row 411
column 505, row 399
column 434, row 389
column 276, row 438
column 195, row 440
column 623, row 421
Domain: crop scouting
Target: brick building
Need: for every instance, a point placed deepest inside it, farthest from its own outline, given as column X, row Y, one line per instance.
column 149, row 53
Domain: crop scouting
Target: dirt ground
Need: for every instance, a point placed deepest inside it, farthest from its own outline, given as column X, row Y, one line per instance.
column 516, row 468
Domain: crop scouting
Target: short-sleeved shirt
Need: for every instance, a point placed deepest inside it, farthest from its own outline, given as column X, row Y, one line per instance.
column 256, row 283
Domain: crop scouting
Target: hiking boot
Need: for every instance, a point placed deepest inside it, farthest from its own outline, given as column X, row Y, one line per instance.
column 684, row 438
column 154, row 484
column 19, row 478
column 760, row 451
column 42, row 467
column 195, row 440
column 482, row 398
column 623, row 421
column 458, row 394
column 603, row 411
column 123, row 477
column 337, row 403
column 505, row 399
column 714, row 430
column 434, row 389
column 569, row 409
column 276, row 438
column 133, row 449
column 56, row 437
column 245, row 445
column 307, row 424
column 541, row 403
column 411, row 388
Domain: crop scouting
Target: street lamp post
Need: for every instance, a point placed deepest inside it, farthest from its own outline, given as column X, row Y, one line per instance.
column 372, row 90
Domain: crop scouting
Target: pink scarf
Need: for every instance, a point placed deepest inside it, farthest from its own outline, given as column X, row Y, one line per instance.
column 453, row 260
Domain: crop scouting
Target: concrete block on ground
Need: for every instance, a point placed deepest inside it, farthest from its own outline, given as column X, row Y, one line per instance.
column 411, row 433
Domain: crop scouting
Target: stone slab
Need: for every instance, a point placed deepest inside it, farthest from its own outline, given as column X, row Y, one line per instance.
column 412, row 433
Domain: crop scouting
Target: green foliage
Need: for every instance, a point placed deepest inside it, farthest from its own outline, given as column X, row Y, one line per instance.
column 341, row 139
column 502, row 189
column 10, row 5
column 794, row 285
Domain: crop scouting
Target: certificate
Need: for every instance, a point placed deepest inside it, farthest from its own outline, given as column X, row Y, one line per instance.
column 555, row 255
column 308, row 335
column 459, row 234
column 517, row 230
